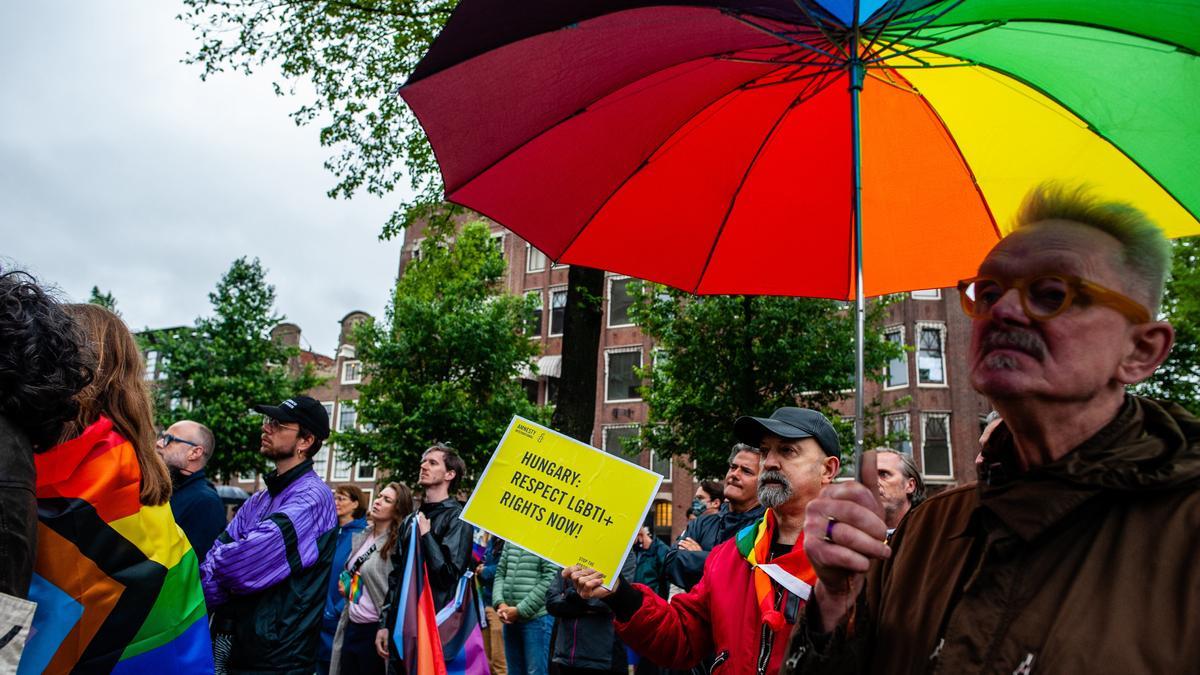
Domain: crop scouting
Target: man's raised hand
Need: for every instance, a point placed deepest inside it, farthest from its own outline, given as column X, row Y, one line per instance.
column 588, row 582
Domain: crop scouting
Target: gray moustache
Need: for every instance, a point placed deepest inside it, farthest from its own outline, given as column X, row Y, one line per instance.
column 1024, row 341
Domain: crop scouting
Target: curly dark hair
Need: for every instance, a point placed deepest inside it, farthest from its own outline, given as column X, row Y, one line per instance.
column 42, row 367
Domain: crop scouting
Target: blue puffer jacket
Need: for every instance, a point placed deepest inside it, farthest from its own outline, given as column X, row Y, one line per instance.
column 334, row 601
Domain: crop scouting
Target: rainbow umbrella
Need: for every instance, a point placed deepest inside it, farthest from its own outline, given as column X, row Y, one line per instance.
column 822, row 148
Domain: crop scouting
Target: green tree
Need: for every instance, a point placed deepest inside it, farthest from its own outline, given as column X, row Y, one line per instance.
column 1178, row 379
column 719, row 357
column 444, row 364
column 218, row 369
column 355, row 53
column 105, row 300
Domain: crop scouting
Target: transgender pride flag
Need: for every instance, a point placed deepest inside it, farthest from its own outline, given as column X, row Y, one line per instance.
column 448, row 642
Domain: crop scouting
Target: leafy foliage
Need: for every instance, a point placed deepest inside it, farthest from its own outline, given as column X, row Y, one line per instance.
column 1178, row 379
column 218, row 369
column 355, row 54
column 444, row 365
column 726, row 356
column 105, row 300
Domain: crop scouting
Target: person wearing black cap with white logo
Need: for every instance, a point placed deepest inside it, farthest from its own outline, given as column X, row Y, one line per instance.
column 755, row 585
column 265, row 576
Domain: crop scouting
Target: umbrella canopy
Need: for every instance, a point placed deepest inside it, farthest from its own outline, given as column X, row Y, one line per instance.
column 711, row 145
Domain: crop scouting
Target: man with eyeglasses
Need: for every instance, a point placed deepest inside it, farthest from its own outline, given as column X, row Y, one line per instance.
column 265, row 577
column 1077, row 549
column 186, row 447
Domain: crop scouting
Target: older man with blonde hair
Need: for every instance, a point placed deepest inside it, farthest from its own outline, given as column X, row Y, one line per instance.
column 1077, row 550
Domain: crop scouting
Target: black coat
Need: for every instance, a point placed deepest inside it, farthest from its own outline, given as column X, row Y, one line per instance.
column 18, row 511
column 198, row 511
column 684, row 568
column 584, row 637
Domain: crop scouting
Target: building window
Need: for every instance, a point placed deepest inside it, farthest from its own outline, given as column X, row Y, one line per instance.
column 897, row 368
column 621, row 382
column 935, row 445
column 558, row 311
column 531, row 390
column 621, row 440
column 328, row 405
column 660, row 465
column 246, row 477
column 347, row 417
column 320, row 461
column 535, row 260
column 341, row 466
column 151, row 364
column 662, row 514
column 365, row 472
column 897, row 429
column 928, row 294
column 551, row 390
column 535, row 324
column 619, row 301
column 351, row 372
column 931, row 357
column 498, row 242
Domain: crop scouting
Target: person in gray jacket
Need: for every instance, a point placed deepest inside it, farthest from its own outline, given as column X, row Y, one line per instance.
column 519, row 596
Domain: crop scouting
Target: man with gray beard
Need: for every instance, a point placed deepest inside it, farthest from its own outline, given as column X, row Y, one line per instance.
column 755, row 585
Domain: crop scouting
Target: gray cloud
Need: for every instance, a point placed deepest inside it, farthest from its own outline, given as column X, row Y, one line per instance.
column 120, row 168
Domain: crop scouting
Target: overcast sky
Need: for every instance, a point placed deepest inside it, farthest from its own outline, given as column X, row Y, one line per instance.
column 120, row 168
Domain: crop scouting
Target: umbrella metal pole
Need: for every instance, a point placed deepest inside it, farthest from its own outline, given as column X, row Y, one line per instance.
column 860, row 309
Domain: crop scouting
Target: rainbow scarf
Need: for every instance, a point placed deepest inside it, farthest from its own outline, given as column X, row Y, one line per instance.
column 116, row 582
column 754, row 543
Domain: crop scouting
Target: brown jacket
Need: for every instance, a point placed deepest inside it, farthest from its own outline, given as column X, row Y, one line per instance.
column 1089, row 564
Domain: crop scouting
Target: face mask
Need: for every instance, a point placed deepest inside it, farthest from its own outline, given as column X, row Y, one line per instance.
column 698, row 506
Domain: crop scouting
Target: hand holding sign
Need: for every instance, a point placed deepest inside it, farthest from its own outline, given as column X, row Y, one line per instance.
column 561, row 499
column 589, row 583
column 843, row 532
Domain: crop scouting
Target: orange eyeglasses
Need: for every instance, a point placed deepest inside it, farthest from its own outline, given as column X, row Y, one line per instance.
column 1045, row 296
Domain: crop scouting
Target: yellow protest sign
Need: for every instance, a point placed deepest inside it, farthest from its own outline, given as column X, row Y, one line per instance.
column 561, row 499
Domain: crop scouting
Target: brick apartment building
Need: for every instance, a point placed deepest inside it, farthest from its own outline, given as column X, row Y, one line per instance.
column 942, row 414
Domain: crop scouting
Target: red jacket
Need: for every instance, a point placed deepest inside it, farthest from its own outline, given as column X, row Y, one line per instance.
column 719, row 616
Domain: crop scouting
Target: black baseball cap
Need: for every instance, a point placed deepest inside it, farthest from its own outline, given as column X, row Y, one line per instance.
column 789, row 423
column 305, row 411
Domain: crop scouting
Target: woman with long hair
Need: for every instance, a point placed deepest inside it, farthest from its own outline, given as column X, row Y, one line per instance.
column 364, row 582
column 118, row 576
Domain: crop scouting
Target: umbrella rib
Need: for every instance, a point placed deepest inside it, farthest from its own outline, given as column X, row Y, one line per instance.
column 646, row 161
column 742, row 183
column 882, row 28
column 1083, row 24
column 924, row 22
column 786, row 38
column 797, row 78
column 845, row 50
column 936, row 43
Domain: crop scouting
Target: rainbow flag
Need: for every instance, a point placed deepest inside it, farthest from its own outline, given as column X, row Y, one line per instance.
column 117, row 583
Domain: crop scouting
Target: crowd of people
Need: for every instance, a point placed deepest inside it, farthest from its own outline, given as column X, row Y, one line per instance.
column 1075, row 551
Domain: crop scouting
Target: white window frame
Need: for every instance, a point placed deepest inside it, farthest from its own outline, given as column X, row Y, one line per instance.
column 927, row 294
column 338, row 461
column 529, row 250
column 346, row 378
column 887, row 429
column 542, row 302
column 670, row 466
column 620, row 350
column 341, row 406
column 887, row 386
column 941, row 328
column 416, row 248
column 151, row 359
column 550, row 310
column 605, row 428
column 925, row 416
column 246, row 477
column 503, row 239
column 369, row 493
column 358, row 471
column 608, row 308
column 321, row 459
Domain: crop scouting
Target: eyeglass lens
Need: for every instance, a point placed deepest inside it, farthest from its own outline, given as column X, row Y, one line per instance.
column 1044, row 296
